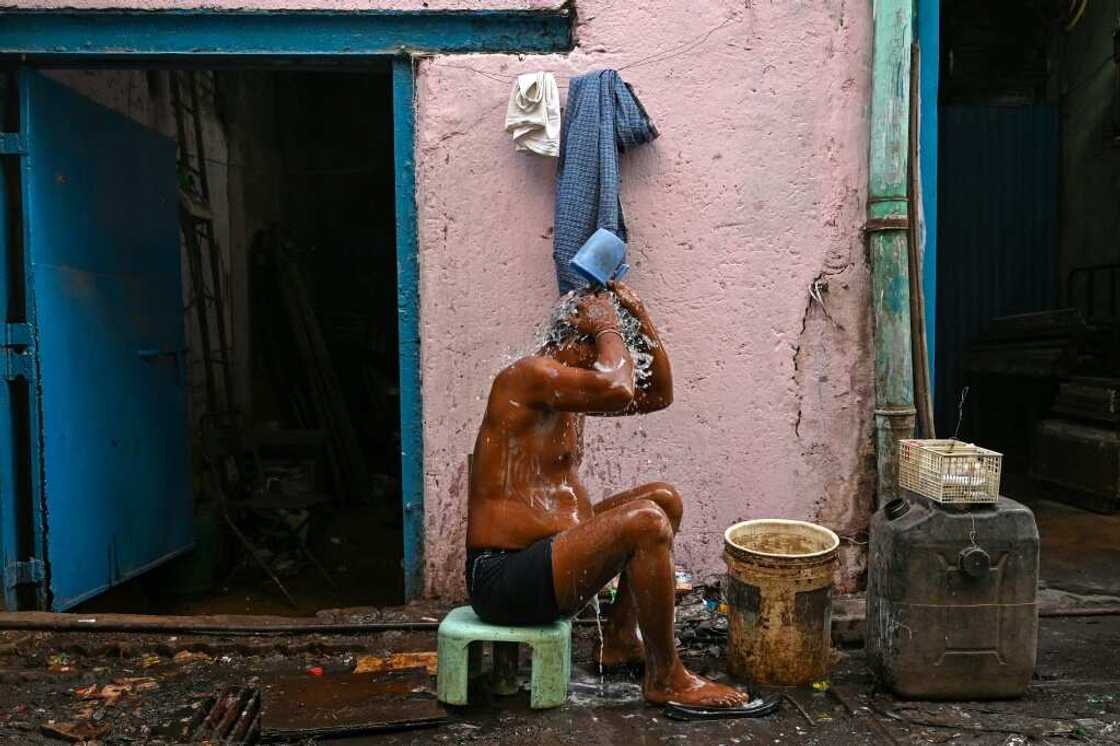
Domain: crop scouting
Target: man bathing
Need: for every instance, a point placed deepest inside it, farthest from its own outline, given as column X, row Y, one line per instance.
column 537, row 549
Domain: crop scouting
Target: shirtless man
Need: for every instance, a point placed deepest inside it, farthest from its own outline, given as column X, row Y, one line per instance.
column 537, row 549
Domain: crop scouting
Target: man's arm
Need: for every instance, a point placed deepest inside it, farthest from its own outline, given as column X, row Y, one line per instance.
column 607, row 387
column 658, row 392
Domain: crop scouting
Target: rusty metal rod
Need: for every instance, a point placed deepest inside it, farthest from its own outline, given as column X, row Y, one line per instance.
column 195, row 723
column 45, row 621
column 804, row 713
column 233, row 713
column 923, row 395
column 208, row 625
column 217, row 713
column 249, row 716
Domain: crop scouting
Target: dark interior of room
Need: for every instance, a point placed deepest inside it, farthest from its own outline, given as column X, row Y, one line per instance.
column 297, row 484
column 1028, row 264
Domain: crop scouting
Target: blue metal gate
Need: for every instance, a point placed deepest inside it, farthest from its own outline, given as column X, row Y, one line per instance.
column 96, row 349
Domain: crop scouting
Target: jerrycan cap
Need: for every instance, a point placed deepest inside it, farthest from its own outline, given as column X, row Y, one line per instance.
column 896, row 508
column 974, row 562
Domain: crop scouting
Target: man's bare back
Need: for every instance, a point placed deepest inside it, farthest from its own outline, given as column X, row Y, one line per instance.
column 530, row 515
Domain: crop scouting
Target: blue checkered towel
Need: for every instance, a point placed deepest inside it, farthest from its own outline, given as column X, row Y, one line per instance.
column 603, row 117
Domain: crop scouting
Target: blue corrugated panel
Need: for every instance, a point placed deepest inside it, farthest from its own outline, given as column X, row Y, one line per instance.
column 997, row 229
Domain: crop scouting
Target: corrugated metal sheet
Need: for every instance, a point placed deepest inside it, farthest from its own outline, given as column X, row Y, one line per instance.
column 997, row 229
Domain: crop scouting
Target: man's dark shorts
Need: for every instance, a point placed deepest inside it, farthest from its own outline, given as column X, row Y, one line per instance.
column 513, row 586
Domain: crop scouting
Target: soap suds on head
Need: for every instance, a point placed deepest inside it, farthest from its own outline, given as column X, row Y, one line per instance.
column 559, row 329
column 607, row 368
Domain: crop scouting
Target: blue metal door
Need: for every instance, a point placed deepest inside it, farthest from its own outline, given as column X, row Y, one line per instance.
column 109, row 486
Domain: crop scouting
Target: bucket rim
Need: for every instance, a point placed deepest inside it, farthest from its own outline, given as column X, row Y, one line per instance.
column 835, row 540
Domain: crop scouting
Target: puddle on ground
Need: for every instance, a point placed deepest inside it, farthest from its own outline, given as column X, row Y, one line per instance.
column 590, row 690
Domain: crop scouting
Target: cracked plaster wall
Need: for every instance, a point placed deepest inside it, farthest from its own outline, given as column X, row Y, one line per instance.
column 755, row 190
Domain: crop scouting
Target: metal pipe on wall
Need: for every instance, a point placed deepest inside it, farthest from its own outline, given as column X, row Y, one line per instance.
column 888, row 226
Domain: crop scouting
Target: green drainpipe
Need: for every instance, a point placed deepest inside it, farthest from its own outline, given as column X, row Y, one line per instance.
column 888, row 223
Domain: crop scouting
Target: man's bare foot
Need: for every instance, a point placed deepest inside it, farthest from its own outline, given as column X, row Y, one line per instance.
column 620, row 650
column 686, row 688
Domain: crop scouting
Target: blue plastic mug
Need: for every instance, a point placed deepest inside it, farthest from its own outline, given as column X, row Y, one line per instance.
column 602, row 258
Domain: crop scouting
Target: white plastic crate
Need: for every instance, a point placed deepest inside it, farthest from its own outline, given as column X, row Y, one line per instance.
column 949, row 471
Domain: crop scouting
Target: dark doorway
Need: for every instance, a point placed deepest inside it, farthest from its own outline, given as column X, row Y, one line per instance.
column 289, row 306
column 1028, row 265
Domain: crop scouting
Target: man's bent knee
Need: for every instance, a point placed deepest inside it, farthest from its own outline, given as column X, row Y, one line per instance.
column 647, row 522
column 666, row 496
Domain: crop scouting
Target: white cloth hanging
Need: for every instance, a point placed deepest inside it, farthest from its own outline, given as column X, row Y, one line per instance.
column 533, row 114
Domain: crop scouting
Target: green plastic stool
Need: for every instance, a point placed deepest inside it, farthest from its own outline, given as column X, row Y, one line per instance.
column 459, row 654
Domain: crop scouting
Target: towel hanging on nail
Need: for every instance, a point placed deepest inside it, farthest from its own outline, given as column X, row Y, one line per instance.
column 533, row 114
column 603, row 117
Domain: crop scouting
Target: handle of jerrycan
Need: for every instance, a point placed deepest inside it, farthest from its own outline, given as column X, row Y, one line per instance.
column 620, row 272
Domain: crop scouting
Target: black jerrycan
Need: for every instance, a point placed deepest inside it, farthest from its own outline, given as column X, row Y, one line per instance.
column 952, row 598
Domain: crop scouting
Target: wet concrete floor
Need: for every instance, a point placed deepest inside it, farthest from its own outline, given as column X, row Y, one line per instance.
column 1080, row 549
column 1076, row 695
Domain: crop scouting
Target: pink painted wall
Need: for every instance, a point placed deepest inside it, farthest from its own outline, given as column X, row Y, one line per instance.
column 755, row 191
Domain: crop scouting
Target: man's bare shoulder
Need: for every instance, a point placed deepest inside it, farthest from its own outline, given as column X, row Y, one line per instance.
column 524, row 387
column 526, row 371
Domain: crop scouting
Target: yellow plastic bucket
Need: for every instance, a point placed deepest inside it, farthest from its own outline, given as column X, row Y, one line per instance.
column 779, row 598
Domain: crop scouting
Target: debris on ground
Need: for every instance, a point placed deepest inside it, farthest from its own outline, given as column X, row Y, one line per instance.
column 683, row 582
column 77, row 732
column 60, row 663
column 112, row 692
column 184, row 657
column 1073, row 694
column 397, row 661
column 701, row 625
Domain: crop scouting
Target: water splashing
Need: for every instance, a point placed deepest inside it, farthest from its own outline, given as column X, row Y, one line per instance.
column 599, row 628
column 558, row 329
